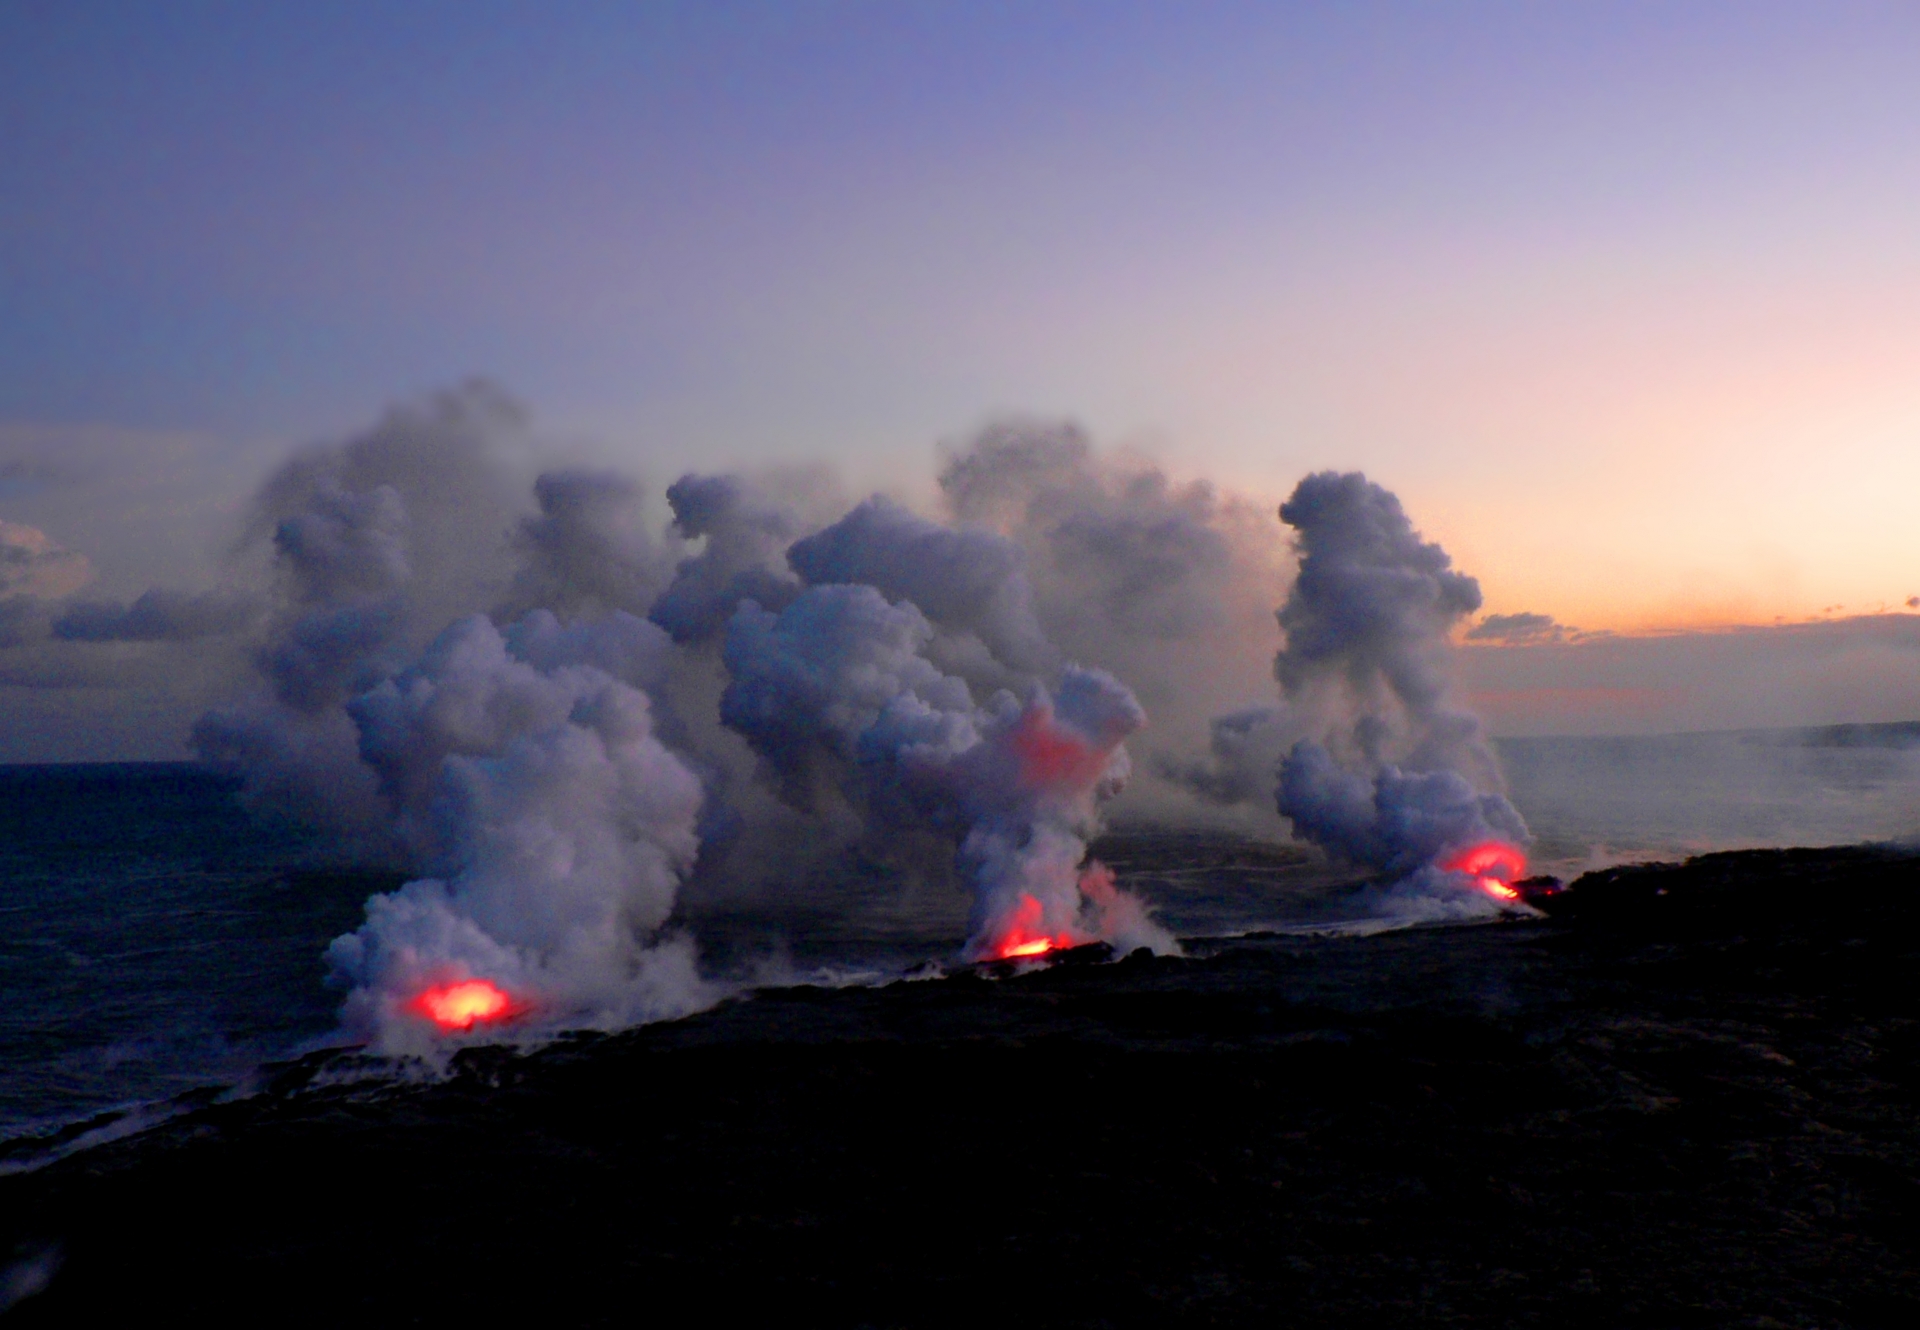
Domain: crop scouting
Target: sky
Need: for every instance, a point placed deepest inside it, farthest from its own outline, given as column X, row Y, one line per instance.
column 1623, row 300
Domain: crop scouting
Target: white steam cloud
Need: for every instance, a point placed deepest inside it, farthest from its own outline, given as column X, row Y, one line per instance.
column 836, row 688
column 1389, row 773
column 564, row 723
column 525, row 776
column 1164, row 584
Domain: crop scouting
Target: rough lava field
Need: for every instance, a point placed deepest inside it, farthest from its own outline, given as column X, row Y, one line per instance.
column 1685, row 1097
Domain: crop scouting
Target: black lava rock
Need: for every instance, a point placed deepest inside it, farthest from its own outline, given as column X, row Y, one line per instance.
column 1689, row 1097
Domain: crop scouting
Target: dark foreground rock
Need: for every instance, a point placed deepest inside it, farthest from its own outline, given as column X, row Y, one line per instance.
column 1692, row 1097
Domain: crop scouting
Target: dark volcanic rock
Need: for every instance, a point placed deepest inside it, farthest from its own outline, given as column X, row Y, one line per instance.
column 1689, row 1098
column 1536, row 891
column 1741, row 891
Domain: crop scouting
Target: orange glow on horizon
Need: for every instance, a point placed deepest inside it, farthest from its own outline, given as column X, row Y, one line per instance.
column 461, row 1006
column 1493, row 865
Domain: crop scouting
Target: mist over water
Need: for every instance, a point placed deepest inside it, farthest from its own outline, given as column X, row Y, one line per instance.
column 1593, row 801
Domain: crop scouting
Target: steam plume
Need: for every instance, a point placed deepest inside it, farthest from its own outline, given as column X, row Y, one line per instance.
column 376, row 544
column 588, row 550
column 1167, row 585
column 564, row 724
column 1391, row 775
column 966, row 581
column 553, row 824
column 836, row 689
column 745, row 537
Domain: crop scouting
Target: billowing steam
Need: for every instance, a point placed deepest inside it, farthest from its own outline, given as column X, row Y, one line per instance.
column 523, row 773
column 1168, row 586
column 837, row 689
column 1388, row 773
column 376, row 545
column 970, row 582
column 560, row 719
column 547, row 711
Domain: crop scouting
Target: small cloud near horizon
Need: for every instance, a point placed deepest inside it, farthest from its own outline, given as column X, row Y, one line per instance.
column 1525, row 629
column 33, row 564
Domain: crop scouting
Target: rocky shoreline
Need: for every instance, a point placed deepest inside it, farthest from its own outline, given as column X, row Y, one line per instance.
column 1688, row 1096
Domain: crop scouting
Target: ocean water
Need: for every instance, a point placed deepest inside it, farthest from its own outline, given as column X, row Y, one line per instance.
column 1591, row 802
column 154, row 940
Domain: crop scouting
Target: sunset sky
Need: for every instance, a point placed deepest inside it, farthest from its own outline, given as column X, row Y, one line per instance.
column 1623, row 300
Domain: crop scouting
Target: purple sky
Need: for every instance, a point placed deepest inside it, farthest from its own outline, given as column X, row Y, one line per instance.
column 1623, row 299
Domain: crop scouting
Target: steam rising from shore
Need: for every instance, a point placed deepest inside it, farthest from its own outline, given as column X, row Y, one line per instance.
column 837, row 687
column 1389, row 773
column 558, row 717
column 524, row 774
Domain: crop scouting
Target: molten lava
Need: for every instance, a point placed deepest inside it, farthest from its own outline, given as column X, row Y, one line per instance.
column 1021, row 935
column 1040, row 946
column 461, row 1006
column 1493, row 865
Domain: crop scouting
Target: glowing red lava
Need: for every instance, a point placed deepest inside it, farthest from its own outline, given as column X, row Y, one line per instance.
column 1021, row 935
column 1494, row 866
column 461, row 1006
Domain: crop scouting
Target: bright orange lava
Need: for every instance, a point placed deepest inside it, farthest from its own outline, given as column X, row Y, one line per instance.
column 460, row 1006
column 1494, row 866
column 1040, row 946
column 1021, row 935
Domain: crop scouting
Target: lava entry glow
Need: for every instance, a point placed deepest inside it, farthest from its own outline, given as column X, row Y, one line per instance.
column 1040, row 946
column 1494, row 866
column 461, row 1006
column 1021, row 935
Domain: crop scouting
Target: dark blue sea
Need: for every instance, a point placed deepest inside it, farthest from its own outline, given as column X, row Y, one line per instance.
column 155, row 941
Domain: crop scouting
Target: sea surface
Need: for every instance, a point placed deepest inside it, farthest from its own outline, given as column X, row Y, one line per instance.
column 155, row 941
